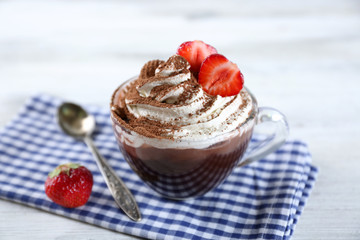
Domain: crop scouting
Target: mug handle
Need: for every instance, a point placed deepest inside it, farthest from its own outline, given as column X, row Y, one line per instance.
column 274, row 129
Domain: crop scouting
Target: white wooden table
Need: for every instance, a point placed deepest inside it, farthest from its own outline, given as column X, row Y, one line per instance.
column 301, row 57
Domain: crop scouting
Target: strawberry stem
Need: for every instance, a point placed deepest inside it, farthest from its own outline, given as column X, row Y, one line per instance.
column 63, row 168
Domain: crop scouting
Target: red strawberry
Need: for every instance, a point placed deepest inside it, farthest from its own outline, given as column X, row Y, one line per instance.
column 69, row 185
column 219, row 76
column 195, row 52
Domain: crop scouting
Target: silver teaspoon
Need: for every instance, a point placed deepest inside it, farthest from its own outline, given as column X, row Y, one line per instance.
column 76, row 122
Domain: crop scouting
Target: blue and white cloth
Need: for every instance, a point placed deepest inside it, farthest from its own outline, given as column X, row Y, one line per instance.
column 261, row 201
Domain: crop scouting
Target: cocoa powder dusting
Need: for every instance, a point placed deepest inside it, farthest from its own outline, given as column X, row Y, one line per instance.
column 143, row 125
column 158, row 70
column 148, row 70
column 176, row 63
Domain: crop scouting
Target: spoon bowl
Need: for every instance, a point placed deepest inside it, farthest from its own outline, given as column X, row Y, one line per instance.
column 77, row 123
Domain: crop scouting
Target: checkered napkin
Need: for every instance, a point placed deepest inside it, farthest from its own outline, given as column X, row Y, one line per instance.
column 260, row 201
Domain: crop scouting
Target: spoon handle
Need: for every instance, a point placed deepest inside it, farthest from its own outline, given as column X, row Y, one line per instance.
column 122, row 195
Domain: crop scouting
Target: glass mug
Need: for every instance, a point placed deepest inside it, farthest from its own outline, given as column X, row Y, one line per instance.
column 185, row 172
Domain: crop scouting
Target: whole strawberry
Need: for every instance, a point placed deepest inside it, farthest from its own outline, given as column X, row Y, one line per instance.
column 69, row 185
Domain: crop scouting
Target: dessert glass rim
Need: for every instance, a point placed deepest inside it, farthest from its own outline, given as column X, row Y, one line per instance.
column 252, row 115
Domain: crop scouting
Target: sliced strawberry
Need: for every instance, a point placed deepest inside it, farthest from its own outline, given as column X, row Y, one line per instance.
column 195, row 52
column 219, row 76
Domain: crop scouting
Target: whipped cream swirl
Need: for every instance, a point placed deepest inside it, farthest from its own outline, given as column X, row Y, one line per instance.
column 167, row 103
